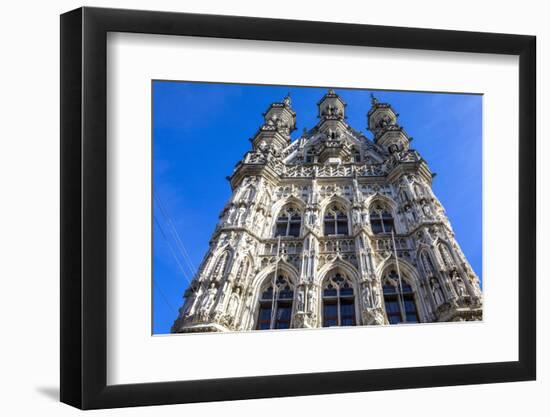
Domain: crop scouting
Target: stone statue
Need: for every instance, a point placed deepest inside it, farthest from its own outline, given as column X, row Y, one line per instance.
column 438, row 294
column 459, row 285
column 367, row 296
column 301, row 301
column 233, row 303
column 209, row 297
column 311, row 300
column 376, row 296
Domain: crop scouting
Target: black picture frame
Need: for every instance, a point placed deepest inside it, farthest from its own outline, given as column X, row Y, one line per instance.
column 84, row 207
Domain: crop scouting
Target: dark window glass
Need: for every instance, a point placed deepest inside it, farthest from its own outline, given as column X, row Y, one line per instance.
column 294, row 229
column 267, row 294
column 265, row 312
column 329, row 227
column 282, row 308
column 288, row 223
column 346, row 291
column 347, row 312
column 281, row 229
column 376, row 226
column 330, row 313
column 393, row 304
column 342, row 226
column 330, row 292
column 286, row 293
column 406, row 287
column 388, row 225
column 381, row 222
column 264, row 316
column 389, row 289
column 338, row 302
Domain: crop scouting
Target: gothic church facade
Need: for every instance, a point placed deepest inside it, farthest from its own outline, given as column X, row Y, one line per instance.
column 331, row 229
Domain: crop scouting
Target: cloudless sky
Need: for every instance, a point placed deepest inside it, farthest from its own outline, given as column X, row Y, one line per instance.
column 201, row 131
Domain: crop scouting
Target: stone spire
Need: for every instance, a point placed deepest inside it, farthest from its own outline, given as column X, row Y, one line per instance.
column 279, row 122
column 382, row 122
column 331, row 106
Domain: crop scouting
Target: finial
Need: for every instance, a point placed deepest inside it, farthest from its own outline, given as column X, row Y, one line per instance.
column 287, row 101
column 373, row 99
column 331, row 92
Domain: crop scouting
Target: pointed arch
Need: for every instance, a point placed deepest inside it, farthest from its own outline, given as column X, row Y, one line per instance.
column 401, row 303
column 221, row 260
column 274, row 297
column 426, row 260
column 382, row 214
column 340, row 265
column 445, row 253
column 341, row 304
column 244, row 268
column 381, row 198
column 328, row 201
column 336, row 216
column 288, row 221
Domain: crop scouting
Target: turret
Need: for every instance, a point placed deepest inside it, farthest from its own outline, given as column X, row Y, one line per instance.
column 382, row 122
column 279, row 122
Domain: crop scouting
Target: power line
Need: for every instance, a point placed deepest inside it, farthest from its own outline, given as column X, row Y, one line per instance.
column 172, row 251
column 163, row 296
column 179, row 243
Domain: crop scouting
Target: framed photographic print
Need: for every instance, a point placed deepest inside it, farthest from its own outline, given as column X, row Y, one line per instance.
column 256, row 208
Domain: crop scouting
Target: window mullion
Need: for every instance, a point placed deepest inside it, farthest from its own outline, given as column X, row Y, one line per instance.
column 401, row 302
column 274, row 308
column 338, row 306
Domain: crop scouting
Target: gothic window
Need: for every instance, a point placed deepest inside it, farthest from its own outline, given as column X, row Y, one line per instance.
column 289, row 222
column 309, row 157
column 275, row 310
column 381, row 220
column 338, row 302
column 336, row 221
column 399, row 300
column 356, row 156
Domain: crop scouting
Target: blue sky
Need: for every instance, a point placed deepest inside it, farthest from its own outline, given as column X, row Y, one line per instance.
column 201, row 130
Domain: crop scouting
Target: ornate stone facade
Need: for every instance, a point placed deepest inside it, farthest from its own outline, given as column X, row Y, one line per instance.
column 331, row 229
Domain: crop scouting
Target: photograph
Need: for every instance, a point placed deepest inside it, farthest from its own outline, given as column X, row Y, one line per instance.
column 289, row 207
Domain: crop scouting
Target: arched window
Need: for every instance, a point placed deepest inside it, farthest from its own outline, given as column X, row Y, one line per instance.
column 356, row 155
column 338, row 302
column 309, row 157
column 336, row 221
column 289, row 222
column 275, row 310
column 399, row 300
column 381, row 220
